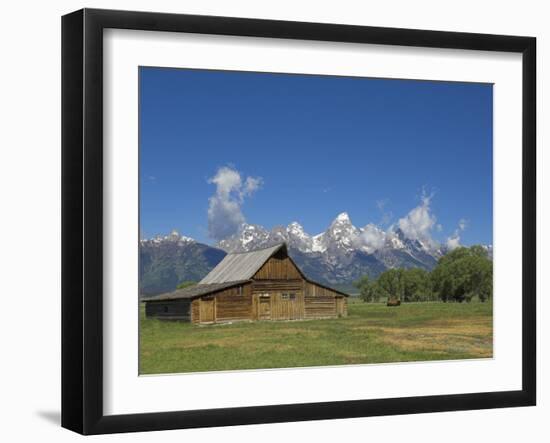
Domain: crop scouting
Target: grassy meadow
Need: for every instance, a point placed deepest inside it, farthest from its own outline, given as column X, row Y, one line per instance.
column 372, row 333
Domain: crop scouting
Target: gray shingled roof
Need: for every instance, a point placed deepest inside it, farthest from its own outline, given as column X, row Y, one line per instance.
column 194, row 291
column 240, row 266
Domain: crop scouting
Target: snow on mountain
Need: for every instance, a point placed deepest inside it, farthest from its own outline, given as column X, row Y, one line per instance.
column 341, row 237
column 340, row 246
column 317, row 244
column 173, row 237
column 248, row 238
column 297, row 238
column 340, row 243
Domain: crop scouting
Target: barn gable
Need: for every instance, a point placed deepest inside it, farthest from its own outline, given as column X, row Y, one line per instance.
column 280, row 267
column 241, row 266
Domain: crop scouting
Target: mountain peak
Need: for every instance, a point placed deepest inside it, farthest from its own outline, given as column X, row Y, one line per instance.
column 295, row 226
column 176, row 236
column 341, row 235
column 342, row 217
column 173, row 237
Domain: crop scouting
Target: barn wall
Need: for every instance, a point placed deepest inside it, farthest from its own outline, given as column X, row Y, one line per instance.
column 169, row 309
column 278, row 267
column 323, row 302
column 288, row 300
column 320, row 307
column 268, row 286
column 287, row 309
column 311, row 300
column 278, row 308
column 314, row 290
column 342, row 306
column 231, row 304
column 234, row 304
column 195, row 310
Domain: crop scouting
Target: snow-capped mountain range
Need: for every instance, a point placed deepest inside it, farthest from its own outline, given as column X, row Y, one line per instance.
column 337, row 256
column 341, row 237
column 173, row 237
column 343, row 252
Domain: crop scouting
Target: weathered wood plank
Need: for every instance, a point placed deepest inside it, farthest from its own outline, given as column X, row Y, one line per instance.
column 278, row 267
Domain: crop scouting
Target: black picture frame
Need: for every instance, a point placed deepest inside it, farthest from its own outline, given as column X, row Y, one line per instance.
column 82, row 218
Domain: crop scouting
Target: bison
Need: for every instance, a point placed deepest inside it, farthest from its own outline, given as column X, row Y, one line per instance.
column 393, row 302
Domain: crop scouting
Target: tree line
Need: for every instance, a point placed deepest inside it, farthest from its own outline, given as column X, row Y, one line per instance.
column 464, row 274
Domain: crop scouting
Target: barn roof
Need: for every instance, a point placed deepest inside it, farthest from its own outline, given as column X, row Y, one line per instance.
column 194, row 291
column 240, row 266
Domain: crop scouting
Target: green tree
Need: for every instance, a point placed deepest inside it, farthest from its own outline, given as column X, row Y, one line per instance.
column 186, row 284
column 367, row 290
column 416, row 285
column 390, row 284
column 463, row 274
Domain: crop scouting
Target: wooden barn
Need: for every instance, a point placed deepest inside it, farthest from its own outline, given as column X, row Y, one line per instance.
column 264, row 284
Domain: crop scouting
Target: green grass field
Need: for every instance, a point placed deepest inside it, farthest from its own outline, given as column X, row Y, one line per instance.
column 372, row 333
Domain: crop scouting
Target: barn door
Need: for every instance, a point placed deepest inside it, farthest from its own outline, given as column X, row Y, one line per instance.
column 264, row 307
column 207, row 310
column 288, row 307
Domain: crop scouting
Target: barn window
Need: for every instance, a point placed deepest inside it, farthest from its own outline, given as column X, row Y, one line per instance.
column 292, row 296
column 284, row 296
column 165, row 308
column 288, row 296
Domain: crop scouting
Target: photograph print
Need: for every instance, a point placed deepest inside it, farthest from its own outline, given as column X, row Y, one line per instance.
column 296, row 220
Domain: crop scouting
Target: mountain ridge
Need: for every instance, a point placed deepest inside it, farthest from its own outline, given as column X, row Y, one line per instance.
column 337, row 256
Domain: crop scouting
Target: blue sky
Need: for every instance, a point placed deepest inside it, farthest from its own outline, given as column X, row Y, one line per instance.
column 312, row 147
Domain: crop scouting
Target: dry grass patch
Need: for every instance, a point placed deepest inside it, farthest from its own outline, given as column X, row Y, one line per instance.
column 474, row 337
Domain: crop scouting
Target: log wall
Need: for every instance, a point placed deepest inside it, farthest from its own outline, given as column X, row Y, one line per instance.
column 321, row 302
column 320, row 307
column 169, row 310
column 234, row 304
column 269, row 286
column 231, row 304
column 314, row 290
column 289, row 298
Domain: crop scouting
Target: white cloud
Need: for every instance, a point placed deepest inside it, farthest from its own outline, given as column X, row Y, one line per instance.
column 453, row 241
column 419, row 222
column 224, row 209
column 251, row 185
column 462, row 224
column 386, row 215
column 372, row 238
